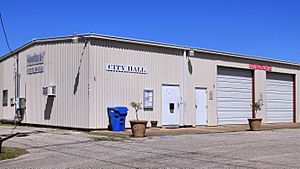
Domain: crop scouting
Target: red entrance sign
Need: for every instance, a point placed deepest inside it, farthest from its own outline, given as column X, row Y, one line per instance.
column 260, row 67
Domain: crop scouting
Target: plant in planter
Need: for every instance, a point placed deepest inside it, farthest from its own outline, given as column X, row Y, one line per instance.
column 255, row 123
column 138, row 127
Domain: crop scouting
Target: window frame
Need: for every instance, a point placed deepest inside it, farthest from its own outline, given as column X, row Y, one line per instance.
column 5, row 98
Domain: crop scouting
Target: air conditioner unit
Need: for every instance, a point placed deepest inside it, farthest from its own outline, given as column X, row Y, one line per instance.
column 52, row 91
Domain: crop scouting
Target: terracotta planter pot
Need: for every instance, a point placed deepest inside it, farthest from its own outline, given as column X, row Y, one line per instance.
column 138, row 128
column 255, row 124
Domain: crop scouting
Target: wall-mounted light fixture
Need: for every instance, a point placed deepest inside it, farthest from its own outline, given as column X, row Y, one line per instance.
column 75, row 38
column 191, row 52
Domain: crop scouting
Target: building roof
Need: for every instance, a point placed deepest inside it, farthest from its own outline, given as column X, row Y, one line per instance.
column 144, row 42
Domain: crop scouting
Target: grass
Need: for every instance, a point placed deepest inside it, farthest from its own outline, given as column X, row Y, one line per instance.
column 1, row 124
column 110, row 136
column 11, row 152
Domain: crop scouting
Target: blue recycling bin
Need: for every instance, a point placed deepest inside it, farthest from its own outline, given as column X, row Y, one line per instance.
column 117, row 117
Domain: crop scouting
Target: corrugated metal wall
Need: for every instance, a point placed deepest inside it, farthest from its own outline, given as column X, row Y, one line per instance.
column 7, row 73
column 119, row 89
column 65, row 68
column 1, row 89
column 203, row 73
column 61, row 67
column 98, row 88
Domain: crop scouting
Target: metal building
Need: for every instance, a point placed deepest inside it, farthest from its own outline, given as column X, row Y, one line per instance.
column 70, row 81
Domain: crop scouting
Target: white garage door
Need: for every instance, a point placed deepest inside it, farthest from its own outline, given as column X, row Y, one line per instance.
column 234, row 93
column 279, row 98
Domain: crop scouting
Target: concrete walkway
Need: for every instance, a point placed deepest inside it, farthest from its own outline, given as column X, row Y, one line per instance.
column 56, row 148
column 203, row 129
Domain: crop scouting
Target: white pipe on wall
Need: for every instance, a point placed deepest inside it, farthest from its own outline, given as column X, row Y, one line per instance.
column 184, row 85
column 17, row 87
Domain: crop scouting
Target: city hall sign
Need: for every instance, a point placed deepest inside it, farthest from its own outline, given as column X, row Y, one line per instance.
column 126, row 68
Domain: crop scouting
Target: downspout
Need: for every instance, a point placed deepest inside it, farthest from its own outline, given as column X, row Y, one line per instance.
column 17, row 90
column 88, row 67
column 184, row 85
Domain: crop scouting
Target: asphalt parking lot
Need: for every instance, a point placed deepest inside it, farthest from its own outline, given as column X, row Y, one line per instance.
column 54, row 148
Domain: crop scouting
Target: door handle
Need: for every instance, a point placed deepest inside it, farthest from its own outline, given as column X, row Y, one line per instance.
column 196, row 106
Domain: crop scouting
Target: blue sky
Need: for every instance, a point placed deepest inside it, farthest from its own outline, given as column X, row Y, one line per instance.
column 268, row 28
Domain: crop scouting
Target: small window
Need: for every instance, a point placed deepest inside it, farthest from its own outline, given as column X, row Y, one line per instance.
column 5, row 97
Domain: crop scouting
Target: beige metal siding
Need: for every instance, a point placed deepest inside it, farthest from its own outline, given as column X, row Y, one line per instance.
column 119, row 89
column 7, row 83
column 204, row 75
column 260, row 92
column 297, row 83
column 201, row 73
column 1, row 89
column 61, row 62
column 98, row 88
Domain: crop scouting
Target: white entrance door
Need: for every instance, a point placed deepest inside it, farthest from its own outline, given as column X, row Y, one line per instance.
column 201, row 106
column 170, row 105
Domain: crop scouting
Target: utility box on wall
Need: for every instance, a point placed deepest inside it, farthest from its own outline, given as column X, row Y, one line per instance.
column 21, row 103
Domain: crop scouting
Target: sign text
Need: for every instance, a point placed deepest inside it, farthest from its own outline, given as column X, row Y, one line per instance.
column 126, row 68
column 260, row 67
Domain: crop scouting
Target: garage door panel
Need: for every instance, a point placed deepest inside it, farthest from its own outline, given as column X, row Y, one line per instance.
column 285, row 95
column 286, row 108
column 280, row 89
column 229, row 96
column 234, row 105
column 232, row 120
column 282, row 86
column 238, row 114
column 283, row 82
column 279, row 99
column 272, row 85
column 234, row 81
column 280, row 112
column 237, row 80
column 286, row 105
column 233, row 91
column 276, row 94
column 231, row 73
column 279, row 77
column 234, row 95
column 234, row 113
column 280, row 118
column 240, row 98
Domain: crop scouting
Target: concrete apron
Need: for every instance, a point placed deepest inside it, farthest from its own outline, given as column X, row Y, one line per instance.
column 206, row 130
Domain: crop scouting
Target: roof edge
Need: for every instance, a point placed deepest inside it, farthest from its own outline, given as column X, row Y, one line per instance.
column 144, row 42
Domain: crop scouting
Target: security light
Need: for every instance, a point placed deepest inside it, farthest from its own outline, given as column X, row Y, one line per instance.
column 191, row 53
column 75, row 39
